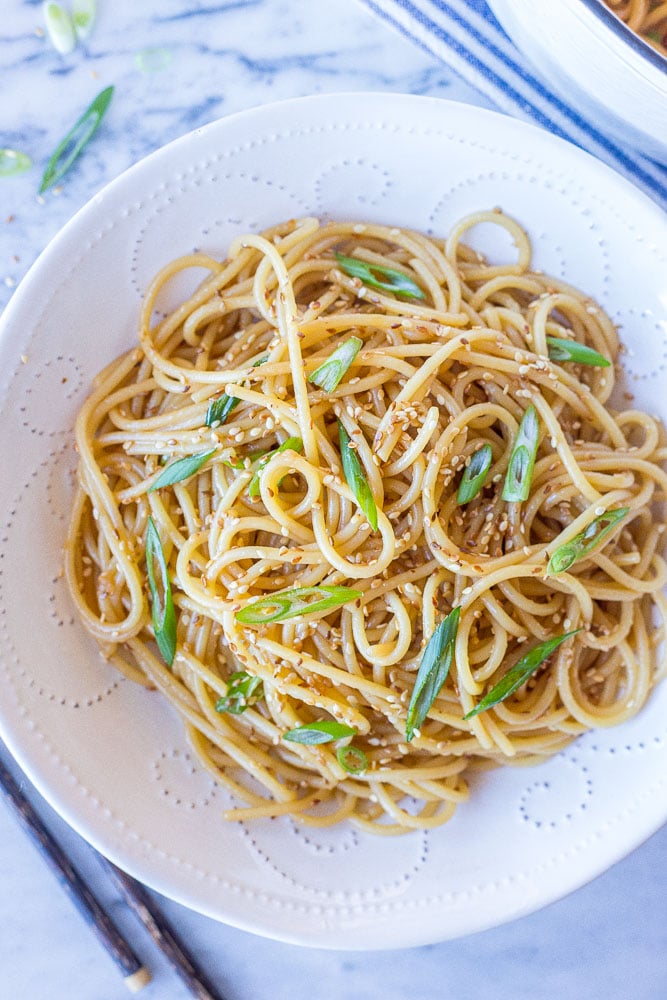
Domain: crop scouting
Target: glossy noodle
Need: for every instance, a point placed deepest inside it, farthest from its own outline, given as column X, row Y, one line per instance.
column 300, row 519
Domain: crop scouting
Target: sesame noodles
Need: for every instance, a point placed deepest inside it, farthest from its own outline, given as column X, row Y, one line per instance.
column 315, row 568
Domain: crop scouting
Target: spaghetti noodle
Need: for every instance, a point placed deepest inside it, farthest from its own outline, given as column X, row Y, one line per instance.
column 360, row 509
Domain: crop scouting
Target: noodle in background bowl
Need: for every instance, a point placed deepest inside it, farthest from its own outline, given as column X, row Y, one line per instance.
column 597, row 64
column 110, row 756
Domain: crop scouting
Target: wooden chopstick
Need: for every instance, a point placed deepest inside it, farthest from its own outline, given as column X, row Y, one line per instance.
column 174, row 951
column 135, row 974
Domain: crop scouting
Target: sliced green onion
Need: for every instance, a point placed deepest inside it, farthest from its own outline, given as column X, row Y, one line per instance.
column 433, row 670
column 60, row 27
column 522, row 460
column 243, row 690
column 13, row 161
column 83, row 15
column 76, row 140
column 152, row 60
column 572, row 350
column 331, row 371
column 181, row 469
column 394, row 281
column 162, row 602
column 220, row 408
column 291, row 444
column 474, row 474
column 356, row 478
column 584, row 543
column 519, row 673
column 352, row 759
column 319, row 732
column 293, row 603
column 654, row 36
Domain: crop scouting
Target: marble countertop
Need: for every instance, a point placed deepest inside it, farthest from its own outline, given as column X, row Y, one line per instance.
column 209, row 59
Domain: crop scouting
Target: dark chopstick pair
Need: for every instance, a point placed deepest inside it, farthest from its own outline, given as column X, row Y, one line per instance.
column 135, row 974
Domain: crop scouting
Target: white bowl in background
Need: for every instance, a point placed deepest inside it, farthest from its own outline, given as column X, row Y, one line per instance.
column 590, row 57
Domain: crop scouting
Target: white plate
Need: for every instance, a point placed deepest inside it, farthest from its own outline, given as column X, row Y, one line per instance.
column 110, row 756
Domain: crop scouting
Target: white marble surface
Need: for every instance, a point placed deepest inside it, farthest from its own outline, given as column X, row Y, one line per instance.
column 605, row 941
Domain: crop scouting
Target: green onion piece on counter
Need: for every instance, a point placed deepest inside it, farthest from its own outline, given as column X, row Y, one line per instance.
column 83, row 16
column 60, row 28
column 571, row 350
column 243, row 690
column 291, row 444
column 433, row 670
column 474, row 474
column 181, row 469
column 352, row 760
column 356, row 478
column 522, row 460
column 76, row 140
column 331, row 371
column 584, row 543
column 519, row 673
column 390, row 279
column 220, row 408
column 152, row 59
column 13, row 161
column 162, row 603
column 319, row 732
column 293, row 603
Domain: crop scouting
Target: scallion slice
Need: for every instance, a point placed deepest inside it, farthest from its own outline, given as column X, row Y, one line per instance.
column 83, row 16
column 294, row 603
column 243, row 690
column 76, row 140
column 220, row 408
column 572, row 350
column 356, row 478
column 181, row 469
column 474, row 474
column 433, row 670
column 291, row 444
column 584, row 543
column 522, row 460
column 390, row 279
column 352, row 759
column 519, row 673
column 330, row 372
column 13, row 161
column 60, row 27
column 319, row 732
column 162, row 602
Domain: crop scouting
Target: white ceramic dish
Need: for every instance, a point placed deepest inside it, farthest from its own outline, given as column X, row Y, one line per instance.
column 597, row 64
column 110, row 756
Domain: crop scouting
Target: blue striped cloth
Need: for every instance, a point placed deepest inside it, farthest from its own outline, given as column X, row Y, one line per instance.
column 466, row 35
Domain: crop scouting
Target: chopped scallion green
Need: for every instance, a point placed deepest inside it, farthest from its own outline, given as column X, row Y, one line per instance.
column 433, row 671
column 519, row 673
column 390, row 280
column 356, row 478
column 522, row 460
column 293, row 603
column 330, row 372
column 76, row 140
column 584, row 543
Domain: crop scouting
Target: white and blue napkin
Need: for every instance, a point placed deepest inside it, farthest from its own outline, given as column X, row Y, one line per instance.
column 466, row 35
